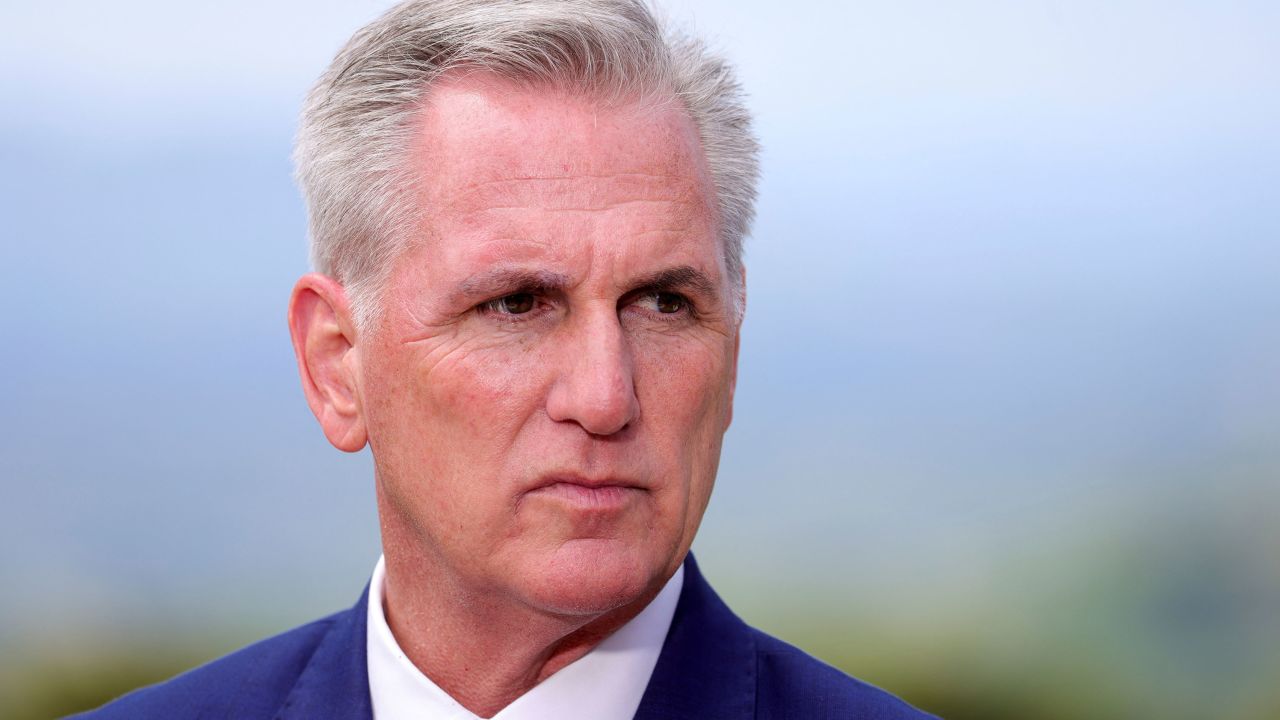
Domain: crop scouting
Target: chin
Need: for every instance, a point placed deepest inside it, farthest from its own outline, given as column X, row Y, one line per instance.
column 591, row 577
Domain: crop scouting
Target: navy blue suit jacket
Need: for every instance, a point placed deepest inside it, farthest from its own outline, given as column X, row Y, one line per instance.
column 712, row 667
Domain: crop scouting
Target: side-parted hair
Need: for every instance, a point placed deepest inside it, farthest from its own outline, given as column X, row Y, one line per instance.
column 357, row 122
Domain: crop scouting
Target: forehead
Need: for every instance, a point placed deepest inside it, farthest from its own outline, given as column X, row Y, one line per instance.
column 480, row 139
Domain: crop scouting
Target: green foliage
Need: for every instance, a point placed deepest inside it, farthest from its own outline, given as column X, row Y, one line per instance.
column 55, row 688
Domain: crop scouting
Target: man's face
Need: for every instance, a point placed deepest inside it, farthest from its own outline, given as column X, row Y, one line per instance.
column 548, row 385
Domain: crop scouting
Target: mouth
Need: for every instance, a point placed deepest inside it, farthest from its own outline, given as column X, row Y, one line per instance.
column 598, row 495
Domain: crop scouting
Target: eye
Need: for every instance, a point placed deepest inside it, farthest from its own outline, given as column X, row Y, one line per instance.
column 668, row 303
column 514, row 304
column 662, row 302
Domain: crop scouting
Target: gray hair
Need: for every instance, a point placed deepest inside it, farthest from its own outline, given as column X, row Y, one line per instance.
column 356, row 122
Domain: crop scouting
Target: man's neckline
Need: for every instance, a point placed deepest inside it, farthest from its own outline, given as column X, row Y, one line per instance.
column 609, row 681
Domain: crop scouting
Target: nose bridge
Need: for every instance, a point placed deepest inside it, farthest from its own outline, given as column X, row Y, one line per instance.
column 595, row 386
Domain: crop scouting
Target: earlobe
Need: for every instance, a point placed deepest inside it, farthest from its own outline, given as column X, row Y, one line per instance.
column 324, row 341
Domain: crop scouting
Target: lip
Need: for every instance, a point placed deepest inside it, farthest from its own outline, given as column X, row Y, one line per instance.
column 600, row 494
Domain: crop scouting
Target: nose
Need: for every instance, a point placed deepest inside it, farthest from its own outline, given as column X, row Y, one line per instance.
column 595, row 387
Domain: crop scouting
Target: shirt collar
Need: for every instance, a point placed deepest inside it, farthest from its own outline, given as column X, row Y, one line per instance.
column 607, row 682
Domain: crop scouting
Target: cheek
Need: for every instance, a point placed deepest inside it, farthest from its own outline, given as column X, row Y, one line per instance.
column 443, row 416
column 476, row 397
column 684, row 393
column 686, row 379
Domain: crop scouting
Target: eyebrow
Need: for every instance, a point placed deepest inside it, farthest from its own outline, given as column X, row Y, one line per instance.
column 682, row 277
column 508, row 280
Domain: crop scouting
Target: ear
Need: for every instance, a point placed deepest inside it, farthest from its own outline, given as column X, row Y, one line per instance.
column 323, row 333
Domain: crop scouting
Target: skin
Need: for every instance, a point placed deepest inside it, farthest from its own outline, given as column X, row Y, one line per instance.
column 547, row 385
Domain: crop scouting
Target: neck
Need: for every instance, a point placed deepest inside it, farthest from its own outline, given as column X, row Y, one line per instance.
column 483, row 651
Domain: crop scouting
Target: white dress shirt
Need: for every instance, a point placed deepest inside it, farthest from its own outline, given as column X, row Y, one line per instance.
column 604, row 684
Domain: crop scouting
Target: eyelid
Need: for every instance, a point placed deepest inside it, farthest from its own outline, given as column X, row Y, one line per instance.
column 689, row 309
column 493, row 306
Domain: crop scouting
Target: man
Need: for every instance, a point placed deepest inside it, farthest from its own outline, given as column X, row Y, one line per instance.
column 527, row 223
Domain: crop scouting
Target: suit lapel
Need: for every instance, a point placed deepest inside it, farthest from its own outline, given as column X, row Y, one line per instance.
column 707, row 668
column 335, row 682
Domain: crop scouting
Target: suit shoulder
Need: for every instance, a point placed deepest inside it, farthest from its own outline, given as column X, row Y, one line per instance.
column 249, row 683
column 794, row 684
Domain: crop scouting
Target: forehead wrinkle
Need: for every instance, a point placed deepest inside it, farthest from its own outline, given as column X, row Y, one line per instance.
column 579, row 208
column 636, row 187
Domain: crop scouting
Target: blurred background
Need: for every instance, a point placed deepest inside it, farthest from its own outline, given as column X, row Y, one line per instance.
column 1007, row 439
